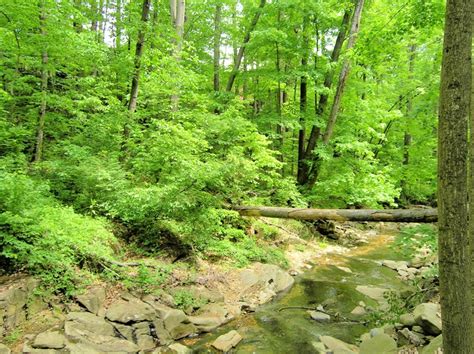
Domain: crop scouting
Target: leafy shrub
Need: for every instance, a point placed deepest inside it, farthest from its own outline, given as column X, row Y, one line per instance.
column 42, row 236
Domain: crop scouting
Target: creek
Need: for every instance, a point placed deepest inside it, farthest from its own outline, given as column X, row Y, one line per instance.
column 285, row 326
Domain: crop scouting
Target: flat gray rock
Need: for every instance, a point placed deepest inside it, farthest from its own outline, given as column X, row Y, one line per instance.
column 130, row 311
column 227, row 341
column 426, row 315
column 87, row 321
column 49, row 340
column 380, row 344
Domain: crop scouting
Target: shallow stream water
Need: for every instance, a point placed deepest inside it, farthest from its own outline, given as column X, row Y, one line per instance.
column 274, row 328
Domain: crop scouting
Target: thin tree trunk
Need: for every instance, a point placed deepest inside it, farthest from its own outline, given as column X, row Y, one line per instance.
column 303, row 103
column 178, row 13
column 217, row 46
column 44, row 87
column 328, row 79
column 346, row 67
column 407, row 138
column 313, row 173
column 240, row 55
column 118, row 24
column 453, row 242
column 132, row 102
column 322, row 103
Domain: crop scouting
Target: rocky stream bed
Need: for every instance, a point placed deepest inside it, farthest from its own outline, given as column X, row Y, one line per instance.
column 327, row 308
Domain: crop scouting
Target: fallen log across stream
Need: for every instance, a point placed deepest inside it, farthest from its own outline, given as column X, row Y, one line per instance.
column 422, row 215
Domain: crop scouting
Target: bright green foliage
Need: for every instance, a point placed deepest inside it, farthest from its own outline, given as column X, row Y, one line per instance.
column 38, row 233
column 166, row 178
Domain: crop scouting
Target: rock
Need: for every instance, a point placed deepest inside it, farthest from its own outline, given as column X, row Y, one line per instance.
column 130, row 311
column 336, row 345
column 161, row 333
column 319, row 316
column 172, row 318
column 413, row 338
column 374, row 332
column 345, row 269
column 380, row 344
column 372, row 292
column 395, row 265
column 407, row 320
column 206, row 323
column 103, row 343
column 93, row 300
column 434, row 346
column 358, row 311
column 182, row 330
column 145, row 342
column 268, row 279
column 4, row 349
column 417, row 329
column 87, row 321
column 126, row 332
column 227, row 341
column 177, row 348
column 426, row 315
column 49, row 340
column 365, row 336
column 319, row 347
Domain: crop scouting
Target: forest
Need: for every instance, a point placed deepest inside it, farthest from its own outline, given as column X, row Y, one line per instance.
column 133, row 131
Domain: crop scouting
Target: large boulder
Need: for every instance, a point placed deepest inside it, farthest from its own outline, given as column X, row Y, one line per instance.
column 380, row 344
column 427, row 316
column 227, row 341
column 130, row 311
column 93, row 299
column 93, row 342
column 87, row 321
column 49, row 340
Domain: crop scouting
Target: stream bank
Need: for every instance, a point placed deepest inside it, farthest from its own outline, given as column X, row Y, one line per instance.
column 103, row 320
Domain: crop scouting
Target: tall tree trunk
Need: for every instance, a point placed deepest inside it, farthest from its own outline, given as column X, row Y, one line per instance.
column 303, row 103
column 471, row 189
column 217, row 46
column 178, row 14
column 313, row 173
column 407, row 138
column 240, row 54
column 346, row 67
column 118, row 23
column 323, row 99
column 132, row 102
column 44, row 87
column 454, row 255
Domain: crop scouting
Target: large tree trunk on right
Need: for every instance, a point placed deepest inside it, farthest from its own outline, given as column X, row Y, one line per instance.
column 454, row 256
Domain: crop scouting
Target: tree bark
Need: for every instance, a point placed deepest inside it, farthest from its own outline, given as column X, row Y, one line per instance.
column 178, row 15
column 240, row 54
column 407, row 138
column 132, row 102
column 44, row 87
column 453, row 242
column 303, row 104
column 471, row 185
column 217, row 46
column 118, row 23
column 320, row 107
column 346, row 68
column 395, row 215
